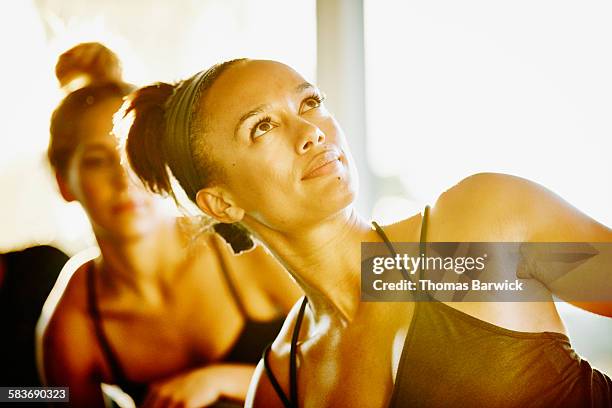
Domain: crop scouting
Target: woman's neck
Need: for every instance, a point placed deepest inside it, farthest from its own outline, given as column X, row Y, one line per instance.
column 140, row 263
column 325, row 259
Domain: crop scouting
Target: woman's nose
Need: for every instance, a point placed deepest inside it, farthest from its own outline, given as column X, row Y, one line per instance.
column 120, row 177
column 310, row 135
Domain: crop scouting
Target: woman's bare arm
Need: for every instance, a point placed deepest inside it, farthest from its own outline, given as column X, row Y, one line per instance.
column 66, row 348
column 201, row 386
column 580, row 272
column 68, row 361
column 498, row 207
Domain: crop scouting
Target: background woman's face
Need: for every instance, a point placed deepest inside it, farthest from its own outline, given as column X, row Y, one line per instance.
column 114, row 203
column 283, row 157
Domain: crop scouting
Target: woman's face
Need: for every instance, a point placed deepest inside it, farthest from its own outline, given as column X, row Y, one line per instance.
column 283, row 157
column 115, row 204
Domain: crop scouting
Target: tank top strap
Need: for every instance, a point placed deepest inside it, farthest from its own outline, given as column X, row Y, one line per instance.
column 420, row 294
column 275, row 384
column 293, row 386
column 423, row 237
column 292, row 400
column 229, row 281
column 92, row 300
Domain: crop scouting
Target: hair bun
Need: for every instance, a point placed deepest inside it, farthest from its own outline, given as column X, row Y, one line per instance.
column 89, row 63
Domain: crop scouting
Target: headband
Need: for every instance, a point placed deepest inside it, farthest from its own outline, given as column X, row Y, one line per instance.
column 179, row 115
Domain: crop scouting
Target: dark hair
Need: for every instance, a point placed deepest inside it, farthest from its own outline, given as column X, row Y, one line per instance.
column 100, row 70
column 153, row 155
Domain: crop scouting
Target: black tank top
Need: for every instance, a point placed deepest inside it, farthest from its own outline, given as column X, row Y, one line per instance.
column 247, row 348
column 452, row 359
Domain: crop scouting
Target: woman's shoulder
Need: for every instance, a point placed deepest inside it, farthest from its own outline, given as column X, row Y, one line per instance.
column 65, row 336
column 67, row 304
column 71, row 288
column 480, row 207
column 482, row 189
column 261, row 392
column 281, row 346
column 465, row 203
column 485, row 207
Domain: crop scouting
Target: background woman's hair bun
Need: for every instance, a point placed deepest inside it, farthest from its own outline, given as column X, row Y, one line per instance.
column 87, row 64
column 89, row 73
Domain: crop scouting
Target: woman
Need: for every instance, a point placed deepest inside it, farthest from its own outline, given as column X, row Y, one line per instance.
column 174, row 320
column 251, row 142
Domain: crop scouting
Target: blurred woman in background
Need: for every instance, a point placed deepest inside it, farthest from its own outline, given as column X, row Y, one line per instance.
column 169, row 314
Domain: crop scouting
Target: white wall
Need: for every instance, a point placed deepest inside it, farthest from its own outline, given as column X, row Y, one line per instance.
column 521, row 87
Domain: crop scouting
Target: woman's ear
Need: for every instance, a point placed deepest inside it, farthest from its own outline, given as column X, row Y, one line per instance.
column 64, row 188
column 212, row 203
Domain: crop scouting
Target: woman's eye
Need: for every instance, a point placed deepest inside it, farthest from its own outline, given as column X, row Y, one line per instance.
column 100, row 161
column 94, row 161
column 311, row 102
column 262, row 127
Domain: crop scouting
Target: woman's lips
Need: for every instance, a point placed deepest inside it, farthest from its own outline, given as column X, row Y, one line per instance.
column 323, row 164
column 127, row 206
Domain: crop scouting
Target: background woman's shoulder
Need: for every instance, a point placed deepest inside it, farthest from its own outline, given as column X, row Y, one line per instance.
column 65, row 310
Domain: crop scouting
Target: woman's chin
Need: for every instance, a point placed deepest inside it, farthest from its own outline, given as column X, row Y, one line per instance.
column 330, row 207
column 342, row 195
column 126, row 230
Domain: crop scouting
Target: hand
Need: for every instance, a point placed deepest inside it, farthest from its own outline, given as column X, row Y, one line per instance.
column 193, row 389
